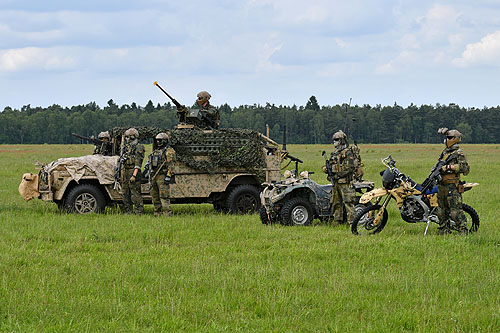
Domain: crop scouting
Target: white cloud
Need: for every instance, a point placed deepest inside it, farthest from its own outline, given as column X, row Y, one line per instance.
column 32, row 58
column 486, row 52
column 432, row 42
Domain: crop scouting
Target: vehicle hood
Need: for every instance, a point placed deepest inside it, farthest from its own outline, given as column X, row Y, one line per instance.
column 102, row 167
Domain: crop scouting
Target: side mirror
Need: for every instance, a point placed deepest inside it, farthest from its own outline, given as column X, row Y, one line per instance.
column 323, row 153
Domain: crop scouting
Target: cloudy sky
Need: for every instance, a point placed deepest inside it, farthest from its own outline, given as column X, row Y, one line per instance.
column 70, row 52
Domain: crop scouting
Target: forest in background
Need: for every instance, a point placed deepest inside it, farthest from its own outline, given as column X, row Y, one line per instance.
column 308, row 124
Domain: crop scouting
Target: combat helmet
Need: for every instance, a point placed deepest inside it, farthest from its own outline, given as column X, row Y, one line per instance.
column 104, row 135
column 202, row 97
column 161, row 140
column 339, row 139
column 452, row 136
column 131, row 134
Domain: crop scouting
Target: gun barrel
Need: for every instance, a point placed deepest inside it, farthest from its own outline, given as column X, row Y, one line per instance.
column 176, row 103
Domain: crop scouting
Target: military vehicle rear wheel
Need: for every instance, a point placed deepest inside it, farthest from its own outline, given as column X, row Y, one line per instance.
column 85, row 199
column 243, row 199
column 297, row 211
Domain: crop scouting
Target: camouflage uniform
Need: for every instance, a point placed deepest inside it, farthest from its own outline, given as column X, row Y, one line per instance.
column 131, row 191
column 449, row 195
column 104, row 148
column 210, row 116
column 343, row 195
column 160, row 163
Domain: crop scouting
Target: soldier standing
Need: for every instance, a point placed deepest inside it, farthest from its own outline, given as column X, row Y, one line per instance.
column 160, row 171
column 131, row 176
column 343, row 166
column 449, row 188
column 104, row 148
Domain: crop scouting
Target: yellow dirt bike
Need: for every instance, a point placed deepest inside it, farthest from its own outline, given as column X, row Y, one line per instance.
column 416, row 202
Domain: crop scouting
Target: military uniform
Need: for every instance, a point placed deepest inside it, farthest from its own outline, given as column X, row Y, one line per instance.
column 450, row 190
column 210, row 116
column 131, row 191
column 343, row 196
column 104, row 148
column 160, row 162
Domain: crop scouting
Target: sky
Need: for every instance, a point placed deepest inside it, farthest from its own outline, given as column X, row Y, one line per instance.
column 249, row 52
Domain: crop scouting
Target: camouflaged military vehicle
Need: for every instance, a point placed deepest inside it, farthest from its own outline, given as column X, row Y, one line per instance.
column 224, row 167
column 298, row 200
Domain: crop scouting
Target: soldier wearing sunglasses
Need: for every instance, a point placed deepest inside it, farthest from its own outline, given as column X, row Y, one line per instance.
column 210, row 113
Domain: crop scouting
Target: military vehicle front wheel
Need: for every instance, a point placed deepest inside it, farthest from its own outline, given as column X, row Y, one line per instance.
column 297, row 211
column 85, row 199
column 244, row 199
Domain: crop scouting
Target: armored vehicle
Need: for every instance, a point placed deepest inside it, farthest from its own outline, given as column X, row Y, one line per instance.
column 298, row 200
column 224, row 167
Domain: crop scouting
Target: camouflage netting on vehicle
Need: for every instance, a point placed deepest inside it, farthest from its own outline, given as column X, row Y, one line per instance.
column 226, row 148
column 145, row 132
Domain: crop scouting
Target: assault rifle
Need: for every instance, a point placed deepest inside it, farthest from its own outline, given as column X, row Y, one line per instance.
column 148, row 168
column 435, row 176
column 329, row 170
column 96, row 142
column 121, row 161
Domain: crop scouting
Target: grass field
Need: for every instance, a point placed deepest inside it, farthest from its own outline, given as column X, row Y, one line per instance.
column 203, row 271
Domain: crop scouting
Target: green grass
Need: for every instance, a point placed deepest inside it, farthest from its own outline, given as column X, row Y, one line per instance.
column 203, row 271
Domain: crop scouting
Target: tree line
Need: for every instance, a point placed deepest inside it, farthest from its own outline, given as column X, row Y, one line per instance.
column 309, row 124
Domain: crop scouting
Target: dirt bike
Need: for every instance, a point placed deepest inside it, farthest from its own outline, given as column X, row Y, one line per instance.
column 416, row 202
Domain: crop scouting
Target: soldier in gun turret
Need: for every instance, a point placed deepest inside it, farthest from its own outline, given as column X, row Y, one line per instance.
column 206, row 118
column 449, row 188
column 104, row 146
column 343, row 164
column 209, row 114
column 131, row 174
column 160, row 173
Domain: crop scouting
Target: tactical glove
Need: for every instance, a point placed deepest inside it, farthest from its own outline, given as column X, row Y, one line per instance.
column 132, row 179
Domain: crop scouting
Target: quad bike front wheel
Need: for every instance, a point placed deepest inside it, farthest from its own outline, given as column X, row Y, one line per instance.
column 297, row 211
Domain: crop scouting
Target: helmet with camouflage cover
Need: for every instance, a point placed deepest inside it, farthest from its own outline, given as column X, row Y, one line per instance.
column 202, row 97
column 131, row 135
column 161, row 139
column 339, row 139
column 104, row 136
column 452, row 136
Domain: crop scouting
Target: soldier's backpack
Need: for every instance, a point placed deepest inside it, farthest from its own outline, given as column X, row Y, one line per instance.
column 358, row 173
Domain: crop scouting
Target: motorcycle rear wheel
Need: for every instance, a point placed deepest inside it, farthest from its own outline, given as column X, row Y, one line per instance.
column 363, row 222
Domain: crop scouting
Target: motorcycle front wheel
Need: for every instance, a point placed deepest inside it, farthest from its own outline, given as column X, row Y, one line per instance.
column 363, row 222
column 472, row 218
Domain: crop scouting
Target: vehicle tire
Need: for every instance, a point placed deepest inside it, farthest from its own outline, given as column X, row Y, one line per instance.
column 472, row 219
column 85, row 199
column 362, row 223
column 243, row 199
column 297, row 211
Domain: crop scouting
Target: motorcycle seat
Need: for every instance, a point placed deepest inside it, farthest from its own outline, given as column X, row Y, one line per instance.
column 429, row 191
